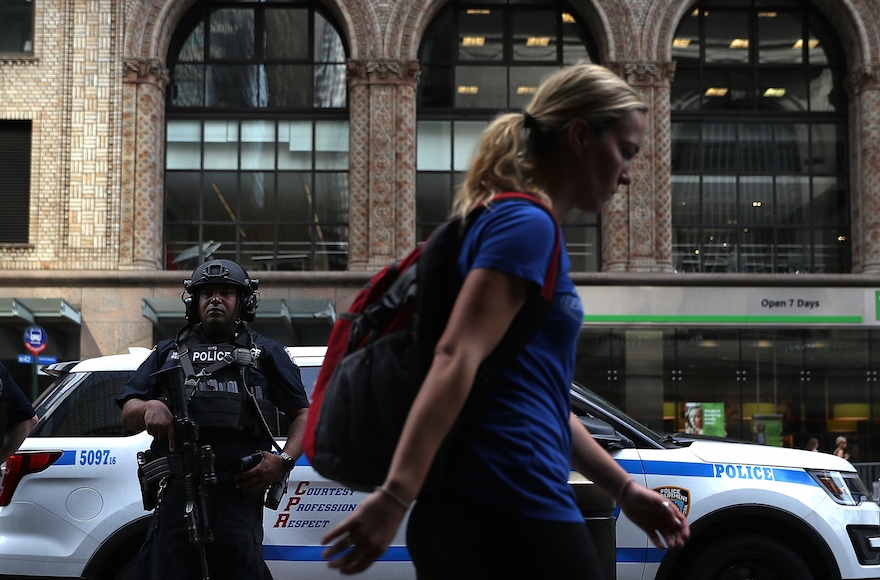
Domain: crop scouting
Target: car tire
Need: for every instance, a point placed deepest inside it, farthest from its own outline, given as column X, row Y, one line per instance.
column 129, row 571
column 748, row 557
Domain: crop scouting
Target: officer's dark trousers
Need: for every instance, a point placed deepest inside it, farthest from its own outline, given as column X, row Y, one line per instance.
column 236, row 553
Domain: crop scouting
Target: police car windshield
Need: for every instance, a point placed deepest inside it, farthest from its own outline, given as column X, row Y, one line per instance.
column 630, row 426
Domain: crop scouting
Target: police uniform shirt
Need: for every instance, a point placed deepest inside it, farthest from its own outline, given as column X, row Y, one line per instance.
column 18, row 408
column 275, row 374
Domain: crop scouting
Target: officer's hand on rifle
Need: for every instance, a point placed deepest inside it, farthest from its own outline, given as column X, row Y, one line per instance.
column 159, row 422
column 263, row 475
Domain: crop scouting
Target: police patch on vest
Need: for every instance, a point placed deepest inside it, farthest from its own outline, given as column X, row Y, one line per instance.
column 208, row 354
column 680, row 496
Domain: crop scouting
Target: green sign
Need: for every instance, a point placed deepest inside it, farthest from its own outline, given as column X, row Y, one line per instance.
column 877, row 304
column 705, row 419
column 767, row 429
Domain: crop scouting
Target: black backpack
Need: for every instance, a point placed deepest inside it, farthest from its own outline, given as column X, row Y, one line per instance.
column 381, row 349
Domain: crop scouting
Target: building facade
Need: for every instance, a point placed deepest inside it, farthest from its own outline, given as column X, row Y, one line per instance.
column 317, row 141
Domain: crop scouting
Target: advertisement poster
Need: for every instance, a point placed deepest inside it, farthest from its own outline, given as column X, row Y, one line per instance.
column 704, row 419
column 767, row 429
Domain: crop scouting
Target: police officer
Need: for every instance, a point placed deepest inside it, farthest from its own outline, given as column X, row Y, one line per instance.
column 17, row 416
column 229, row 373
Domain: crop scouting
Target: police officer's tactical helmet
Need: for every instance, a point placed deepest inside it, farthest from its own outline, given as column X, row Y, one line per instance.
column 222, row 272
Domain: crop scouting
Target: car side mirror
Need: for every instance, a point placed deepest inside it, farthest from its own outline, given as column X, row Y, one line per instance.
column 605, row 434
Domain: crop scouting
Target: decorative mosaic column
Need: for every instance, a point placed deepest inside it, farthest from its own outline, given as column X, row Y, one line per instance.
column 143, row 127
column 382, row 167
column 864, row 131
column 637, row 222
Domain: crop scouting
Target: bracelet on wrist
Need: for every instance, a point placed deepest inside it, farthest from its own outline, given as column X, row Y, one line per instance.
column 393, row 497
column 622, row 490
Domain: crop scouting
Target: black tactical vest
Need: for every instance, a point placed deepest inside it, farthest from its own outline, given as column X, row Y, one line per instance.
column 216, row 379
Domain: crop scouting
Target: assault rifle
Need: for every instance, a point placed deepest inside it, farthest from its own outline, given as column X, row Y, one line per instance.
column 191, row 459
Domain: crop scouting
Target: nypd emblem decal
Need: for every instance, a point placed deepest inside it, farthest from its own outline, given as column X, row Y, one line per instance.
column 680, row 496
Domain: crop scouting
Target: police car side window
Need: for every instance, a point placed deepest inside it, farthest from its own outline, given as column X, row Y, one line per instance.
column 279, row 427
column 89, row 410
column 309, row 377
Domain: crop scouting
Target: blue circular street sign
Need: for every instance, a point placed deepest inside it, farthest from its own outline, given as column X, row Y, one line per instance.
column 35, row 339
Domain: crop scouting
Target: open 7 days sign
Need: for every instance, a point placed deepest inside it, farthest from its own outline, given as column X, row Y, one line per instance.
column 718, row 306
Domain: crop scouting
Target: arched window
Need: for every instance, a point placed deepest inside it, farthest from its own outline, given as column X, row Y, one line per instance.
column 256, row 166
column 759, row 135
column 479, row 59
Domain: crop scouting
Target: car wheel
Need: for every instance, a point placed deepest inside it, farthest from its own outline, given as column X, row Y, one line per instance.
column 751, row 557
column 129, row 571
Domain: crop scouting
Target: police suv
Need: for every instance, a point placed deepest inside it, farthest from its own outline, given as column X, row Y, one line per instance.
column 70, row 503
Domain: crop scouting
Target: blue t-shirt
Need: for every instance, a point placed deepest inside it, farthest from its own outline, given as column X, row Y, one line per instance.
column 516, row 454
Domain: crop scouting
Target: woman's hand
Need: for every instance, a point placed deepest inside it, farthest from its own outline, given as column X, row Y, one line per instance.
column 657, row 516
column 364, row 535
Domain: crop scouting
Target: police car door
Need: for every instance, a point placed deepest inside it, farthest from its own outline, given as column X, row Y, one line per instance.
column 626, row 440
column 312, row 506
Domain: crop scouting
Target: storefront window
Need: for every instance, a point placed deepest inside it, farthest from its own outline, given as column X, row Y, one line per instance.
column 809, row 382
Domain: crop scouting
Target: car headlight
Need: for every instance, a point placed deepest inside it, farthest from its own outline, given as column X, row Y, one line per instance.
column 844, row 487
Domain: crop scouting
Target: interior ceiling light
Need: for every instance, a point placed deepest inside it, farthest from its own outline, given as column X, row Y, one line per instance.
column 716, row 91
column 478, row 11
column 538, row 41
column 522, row 90
column 473, row 40
column 468, row 89
column 757, row 204
column 681, row 42
column 766, row 14
column 774, row 92
column 799, row 44
column 739, row 43
column 567, row 18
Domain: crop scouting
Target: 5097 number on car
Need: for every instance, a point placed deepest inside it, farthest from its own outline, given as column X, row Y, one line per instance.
column 96, row 457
